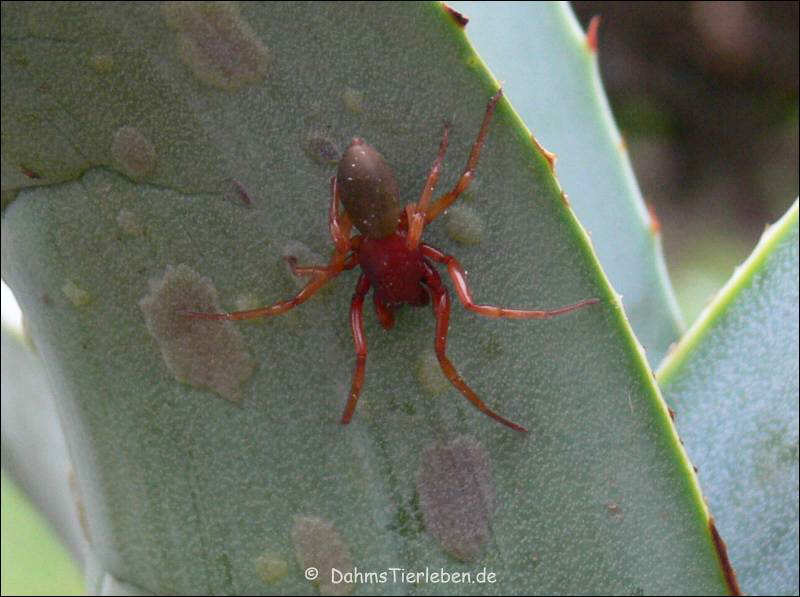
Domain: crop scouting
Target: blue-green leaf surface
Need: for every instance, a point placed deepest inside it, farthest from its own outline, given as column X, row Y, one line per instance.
column 190, row 151
column 733, row 383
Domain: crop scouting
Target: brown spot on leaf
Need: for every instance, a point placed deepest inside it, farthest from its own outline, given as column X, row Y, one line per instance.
column 321, row 148
column 238, row 193
column 202, row 353
column 456, row 496
column 218, row 45
column 133, row 153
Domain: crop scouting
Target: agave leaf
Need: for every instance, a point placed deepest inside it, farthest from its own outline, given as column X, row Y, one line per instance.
column 733, row 382
column 227, row 472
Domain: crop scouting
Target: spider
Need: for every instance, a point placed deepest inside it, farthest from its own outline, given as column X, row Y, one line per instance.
column 394, row 262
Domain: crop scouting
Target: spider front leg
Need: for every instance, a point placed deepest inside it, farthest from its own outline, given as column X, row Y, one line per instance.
column 421, row 213
column 339, row 225
column 459, row 278
column 441, row 308
column 360, row 341
column 416, row 212
column 314, row 270
column 443, row 202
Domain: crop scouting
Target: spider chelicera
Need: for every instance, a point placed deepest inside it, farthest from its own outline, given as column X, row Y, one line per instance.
column 394, row 262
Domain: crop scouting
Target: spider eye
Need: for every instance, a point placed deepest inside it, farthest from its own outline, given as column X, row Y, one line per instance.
column 368, row 190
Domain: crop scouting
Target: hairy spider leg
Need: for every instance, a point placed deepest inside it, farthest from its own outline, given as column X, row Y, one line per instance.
column 443, row 202
column 459, row 278
column 441, row 308
column 340, row 226
column 360, row 341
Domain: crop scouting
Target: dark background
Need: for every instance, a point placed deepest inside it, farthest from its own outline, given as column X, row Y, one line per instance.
column 705, row 95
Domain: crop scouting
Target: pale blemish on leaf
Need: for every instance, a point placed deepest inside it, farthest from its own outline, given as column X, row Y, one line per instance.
column 77, row 295
column 217, row 44
column 130, row 223
column 202, row 353
column 133, row 153
column 271, row 567
column 464, row 225
column 102, row 63
column 246, row 302
column 319, row 545
column 429, row 373
column 457, row 496
column 353, row 100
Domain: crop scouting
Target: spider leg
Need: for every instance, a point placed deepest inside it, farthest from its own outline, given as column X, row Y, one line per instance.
column 441, row 308
column 443, row 202
column 460, row 282
column 384, row 312
column 416, row 212
column 305, row 293
column 313, row 270
column 338, row 222
column 360, row 341
column 340, row 226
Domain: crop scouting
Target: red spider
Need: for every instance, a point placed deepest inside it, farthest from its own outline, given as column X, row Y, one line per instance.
column 393, row 260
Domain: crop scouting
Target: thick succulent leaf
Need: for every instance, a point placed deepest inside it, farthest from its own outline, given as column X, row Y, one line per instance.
column 34, row 561
column 733, row 382
column 561, row 99
column 34, row 451
column 238, row 485
column 34, row 455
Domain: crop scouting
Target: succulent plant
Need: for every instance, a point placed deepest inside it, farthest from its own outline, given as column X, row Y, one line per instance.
column 154, row 154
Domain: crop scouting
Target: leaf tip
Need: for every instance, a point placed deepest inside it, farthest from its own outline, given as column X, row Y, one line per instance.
column 459, row 18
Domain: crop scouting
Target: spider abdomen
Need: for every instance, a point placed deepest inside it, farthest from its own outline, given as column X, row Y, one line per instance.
column 394, row 272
